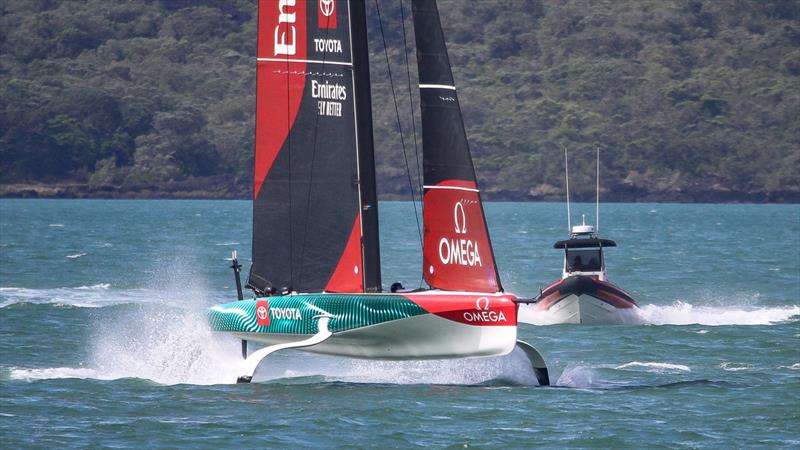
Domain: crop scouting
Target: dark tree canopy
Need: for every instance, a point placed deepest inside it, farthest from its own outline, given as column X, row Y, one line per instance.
column 681, row 96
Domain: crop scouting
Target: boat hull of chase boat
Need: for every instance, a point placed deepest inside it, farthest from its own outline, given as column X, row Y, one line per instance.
column 584, row 300
column 422, row 325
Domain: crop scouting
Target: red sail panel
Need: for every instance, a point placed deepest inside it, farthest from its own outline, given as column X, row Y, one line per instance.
column 280, row 79
column 314, row 167
column 348, row 275
column 457, row 254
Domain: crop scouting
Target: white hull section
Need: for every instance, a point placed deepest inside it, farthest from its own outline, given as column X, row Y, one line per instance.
column 426, row 336
column 584, row 309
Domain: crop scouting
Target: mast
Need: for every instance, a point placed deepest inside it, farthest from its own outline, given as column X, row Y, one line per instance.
column 457, row 252
column 366, row 149
column 314, row 190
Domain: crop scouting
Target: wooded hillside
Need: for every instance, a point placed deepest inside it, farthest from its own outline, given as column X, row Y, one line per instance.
column 688, row 100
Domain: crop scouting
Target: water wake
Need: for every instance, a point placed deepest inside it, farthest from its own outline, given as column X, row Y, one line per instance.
column 682, row 313
column 607, row 376
column 656, row 367
column 652, row 375
column 174, row 348
column 165, row 345
column 581, row 377
column 512, row 369
column 161, row 334
column 55, row 373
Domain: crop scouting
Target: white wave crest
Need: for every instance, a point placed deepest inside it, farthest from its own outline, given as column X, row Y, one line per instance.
column 94, row 287
column 734, row 367
column 681, row 313
column 54, row 373
column 657, row 367
column 89, row 296
column 76, row 255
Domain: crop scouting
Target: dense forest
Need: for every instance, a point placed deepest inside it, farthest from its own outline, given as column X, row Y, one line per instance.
column 688, row 100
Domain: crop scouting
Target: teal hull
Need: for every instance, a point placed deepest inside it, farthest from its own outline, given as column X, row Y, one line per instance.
column 429, row 324
column 296, row 314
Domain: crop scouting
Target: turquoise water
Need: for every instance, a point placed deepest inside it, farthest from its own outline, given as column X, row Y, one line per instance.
column 104, row 342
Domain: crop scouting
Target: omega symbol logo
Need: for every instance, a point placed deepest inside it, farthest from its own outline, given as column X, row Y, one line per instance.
column 458, row 250
column 326, row 7
column 460, row 219
column 483, row 316
column 261, row 311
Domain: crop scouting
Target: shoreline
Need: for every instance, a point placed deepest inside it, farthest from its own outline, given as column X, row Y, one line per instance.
column 230, row 191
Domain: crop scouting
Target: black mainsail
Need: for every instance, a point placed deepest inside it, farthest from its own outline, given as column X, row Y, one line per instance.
column 315, row 215
column 457, row 252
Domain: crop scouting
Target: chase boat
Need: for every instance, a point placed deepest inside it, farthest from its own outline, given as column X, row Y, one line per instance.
column 583, row 295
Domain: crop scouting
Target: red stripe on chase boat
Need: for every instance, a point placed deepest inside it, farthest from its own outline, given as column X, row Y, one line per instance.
column 613, row 299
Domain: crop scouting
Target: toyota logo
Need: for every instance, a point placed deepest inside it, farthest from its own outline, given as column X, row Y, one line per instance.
column 482, row 304
column 326, row 7
column 460, row 219
column 261, row 311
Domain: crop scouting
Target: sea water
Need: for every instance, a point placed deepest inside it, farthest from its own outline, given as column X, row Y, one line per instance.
column 104, row 341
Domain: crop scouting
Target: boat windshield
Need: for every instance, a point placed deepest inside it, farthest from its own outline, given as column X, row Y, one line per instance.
column 583, row 260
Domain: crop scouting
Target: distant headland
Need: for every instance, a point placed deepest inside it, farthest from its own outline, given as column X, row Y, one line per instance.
column 689, row 101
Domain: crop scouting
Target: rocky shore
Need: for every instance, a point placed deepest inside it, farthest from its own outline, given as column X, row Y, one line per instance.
column 224, row 188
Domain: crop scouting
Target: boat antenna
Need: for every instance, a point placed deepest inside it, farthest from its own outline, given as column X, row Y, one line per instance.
column 566, row 170
column 597, row 195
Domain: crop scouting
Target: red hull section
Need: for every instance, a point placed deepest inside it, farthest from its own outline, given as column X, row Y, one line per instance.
column 470, row 309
